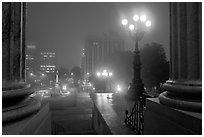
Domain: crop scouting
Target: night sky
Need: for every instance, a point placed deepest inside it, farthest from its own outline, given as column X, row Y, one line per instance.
column 62, row 27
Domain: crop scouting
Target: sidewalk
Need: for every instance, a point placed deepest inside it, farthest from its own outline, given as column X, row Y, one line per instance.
column 109, row 109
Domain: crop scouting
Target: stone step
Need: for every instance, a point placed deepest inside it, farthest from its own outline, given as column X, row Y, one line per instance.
column 71, row 117
column 72, row 110
column 71, row 125
column 67, row 102
column 85, row 132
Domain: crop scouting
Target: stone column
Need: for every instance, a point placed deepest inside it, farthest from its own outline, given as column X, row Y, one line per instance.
column 183, row 90
column 15, row 91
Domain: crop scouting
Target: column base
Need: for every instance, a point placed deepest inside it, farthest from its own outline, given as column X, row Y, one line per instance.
column 21, row 110
column 182, row 96
column 174, row 102
column 17, row 102
column 163, row 120
column 38, row 123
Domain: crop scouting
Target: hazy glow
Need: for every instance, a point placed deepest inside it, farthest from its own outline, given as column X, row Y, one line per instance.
column 131, row 27
column 143, row 18
column 110, row 74
column 136, row 18
column 124, row 22
column 31, row 46
column 148, row 23
column 98, row 74
column 67, row 93
column 118, row 88
column 64, row 87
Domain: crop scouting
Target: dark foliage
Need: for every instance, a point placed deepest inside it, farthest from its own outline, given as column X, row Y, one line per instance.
column 63, row 73
column 155, row 67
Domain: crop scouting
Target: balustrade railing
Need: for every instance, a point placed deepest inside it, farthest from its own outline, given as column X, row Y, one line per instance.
column 135, row 120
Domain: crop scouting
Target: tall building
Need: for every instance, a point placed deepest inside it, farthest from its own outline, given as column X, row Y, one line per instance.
column 48, row 62
column 98, row 49
column 31, row 58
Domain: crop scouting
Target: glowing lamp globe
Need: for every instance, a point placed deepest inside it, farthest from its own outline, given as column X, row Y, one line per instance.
column 131, row 27
column 110, row 74
column 98, row 74
column 148, row 23
column 143, row 18
column 124, row 22
column 136, row 18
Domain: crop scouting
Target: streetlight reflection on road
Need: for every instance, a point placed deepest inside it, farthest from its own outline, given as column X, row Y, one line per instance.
column 104, row 98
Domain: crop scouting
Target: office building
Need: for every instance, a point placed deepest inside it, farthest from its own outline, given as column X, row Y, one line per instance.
column 48, row 62
column 98, row 49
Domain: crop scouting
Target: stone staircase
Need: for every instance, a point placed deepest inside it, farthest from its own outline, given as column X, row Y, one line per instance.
column 74, row 121
column 71, row 115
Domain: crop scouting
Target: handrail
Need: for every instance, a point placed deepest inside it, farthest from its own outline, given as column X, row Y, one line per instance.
column 135, row 120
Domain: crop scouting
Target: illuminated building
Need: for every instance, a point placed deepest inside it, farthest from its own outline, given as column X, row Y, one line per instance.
column 48, row 62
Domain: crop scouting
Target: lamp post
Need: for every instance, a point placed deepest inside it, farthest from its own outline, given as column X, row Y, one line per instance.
column 136, row 31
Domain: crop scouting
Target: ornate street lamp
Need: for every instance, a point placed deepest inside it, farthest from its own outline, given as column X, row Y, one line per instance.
column 105, row 75
column 136, row 31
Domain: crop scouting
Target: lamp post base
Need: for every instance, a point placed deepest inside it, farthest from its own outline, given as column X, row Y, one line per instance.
column 135, row 91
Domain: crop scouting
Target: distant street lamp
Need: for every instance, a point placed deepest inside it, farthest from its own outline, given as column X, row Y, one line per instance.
column 87, row 77
column 31, row 74
column 137, row 31
column 104, row 74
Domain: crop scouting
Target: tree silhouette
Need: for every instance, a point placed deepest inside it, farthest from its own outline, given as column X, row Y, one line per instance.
column 63, row 72
column 155, row 67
